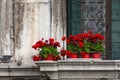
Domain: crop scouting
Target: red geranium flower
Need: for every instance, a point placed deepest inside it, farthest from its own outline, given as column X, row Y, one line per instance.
column 85, row 35
column 63, row 52
column 68, row 53
column 51, row 40
column 56, row 44
column 81, row 44
column 63, row 38
column 92, row 36
column 99, row 36
column 35, row 47
column 39, row 42
column 68, row 41
column 71, row 38
column 78, row 35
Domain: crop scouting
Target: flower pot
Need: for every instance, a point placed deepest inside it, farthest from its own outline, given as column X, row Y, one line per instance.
column 57, row 58
column 63, row 54
column 36, row 58
column 49, row 57
column 96, row 55
column 83, row 52
column 74, row 56
column 85, row 55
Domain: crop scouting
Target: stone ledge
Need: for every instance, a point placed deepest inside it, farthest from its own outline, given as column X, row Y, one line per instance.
column 79, row 64
column 32, row 1
column 81, row 69
column 19, row 71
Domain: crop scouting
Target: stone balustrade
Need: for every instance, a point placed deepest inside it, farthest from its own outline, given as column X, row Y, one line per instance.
column 81, row 69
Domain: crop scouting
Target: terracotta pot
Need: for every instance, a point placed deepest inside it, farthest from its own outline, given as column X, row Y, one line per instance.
column 63, row 54
column 96, row 55
column 74, row 55
column 57, row 58
column 85, row 55
column 36, row 58
column 83, row 52
column 49, row 57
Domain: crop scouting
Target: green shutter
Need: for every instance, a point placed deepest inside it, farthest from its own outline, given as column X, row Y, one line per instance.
column 115, row 29
column 73, row 17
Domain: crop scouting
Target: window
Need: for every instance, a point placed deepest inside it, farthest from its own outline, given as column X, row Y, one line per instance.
column 101, row 16
column 86, row 14
column 115, row 28
column 74, row 16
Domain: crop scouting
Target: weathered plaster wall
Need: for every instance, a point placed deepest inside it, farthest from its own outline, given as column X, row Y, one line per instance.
column 6, row 27
column 23, row 22
column 58, row 17
column 32, row 22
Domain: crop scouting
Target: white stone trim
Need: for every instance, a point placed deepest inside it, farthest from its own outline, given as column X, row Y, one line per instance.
column 19, row 71
column 81, row 69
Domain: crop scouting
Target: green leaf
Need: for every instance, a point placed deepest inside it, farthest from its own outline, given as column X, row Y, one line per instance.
column 47, row 50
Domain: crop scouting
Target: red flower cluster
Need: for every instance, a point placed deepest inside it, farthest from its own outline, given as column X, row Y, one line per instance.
column 83, row 43
column 42, row 43
column 80, row 38
column 47, row 49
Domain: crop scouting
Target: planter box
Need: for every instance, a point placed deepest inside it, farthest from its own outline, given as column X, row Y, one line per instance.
column 81, row 69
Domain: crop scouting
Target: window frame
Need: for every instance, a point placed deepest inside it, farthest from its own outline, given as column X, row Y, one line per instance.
column 108, row 41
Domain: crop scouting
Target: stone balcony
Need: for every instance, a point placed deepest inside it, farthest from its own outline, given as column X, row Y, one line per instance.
column 10, row 71
column 70, row 69
column 81, row 69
